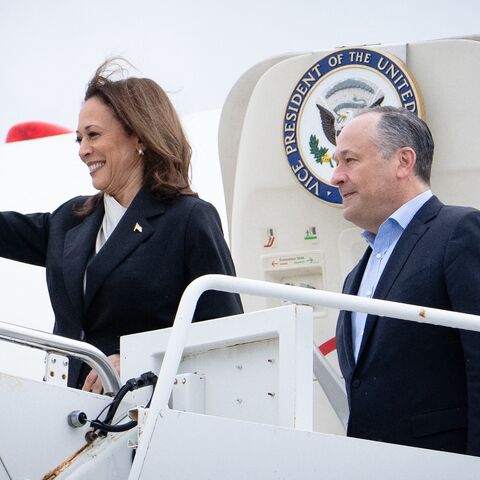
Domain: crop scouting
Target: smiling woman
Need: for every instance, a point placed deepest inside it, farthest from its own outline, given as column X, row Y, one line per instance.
column 118, row 262
column 113, row 157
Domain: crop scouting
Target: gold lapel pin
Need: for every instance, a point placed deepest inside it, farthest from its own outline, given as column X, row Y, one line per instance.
column 137, row 228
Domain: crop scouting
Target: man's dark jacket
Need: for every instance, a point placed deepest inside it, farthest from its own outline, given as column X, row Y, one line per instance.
column 417, row 384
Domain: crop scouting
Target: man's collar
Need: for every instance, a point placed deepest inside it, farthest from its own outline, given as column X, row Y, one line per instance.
column 403, row 215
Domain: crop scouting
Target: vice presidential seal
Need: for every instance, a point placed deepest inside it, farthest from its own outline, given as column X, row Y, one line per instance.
column 337, row 86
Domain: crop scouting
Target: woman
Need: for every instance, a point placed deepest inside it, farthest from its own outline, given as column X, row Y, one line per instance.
column 118, row 262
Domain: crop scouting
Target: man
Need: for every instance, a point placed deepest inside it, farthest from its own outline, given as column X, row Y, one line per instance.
column 407, row 383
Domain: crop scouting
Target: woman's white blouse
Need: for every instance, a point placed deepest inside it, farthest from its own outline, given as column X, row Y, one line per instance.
column 113, row 214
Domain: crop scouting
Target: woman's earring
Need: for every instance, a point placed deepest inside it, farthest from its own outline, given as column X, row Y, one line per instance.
column 140, row 152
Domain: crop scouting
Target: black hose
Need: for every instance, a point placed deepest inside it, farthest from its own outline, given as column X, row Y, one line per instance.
column 104, row 426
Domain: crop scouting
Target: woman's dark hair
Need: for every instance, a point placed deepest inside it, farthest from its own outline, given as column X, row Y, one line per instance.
column 144, row 110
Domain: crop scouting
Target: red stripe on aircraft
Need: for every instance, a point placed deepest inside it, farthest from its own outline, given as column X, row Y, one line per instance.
column 328, row 346
column 31, row 130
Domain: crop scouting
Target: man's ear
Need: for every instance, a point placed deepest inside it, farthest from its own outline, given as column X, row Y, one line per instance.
column 407, row 158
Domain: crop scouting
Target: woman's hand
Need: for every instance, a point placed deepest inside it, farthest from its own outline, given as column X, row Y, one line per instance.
column 93, row 383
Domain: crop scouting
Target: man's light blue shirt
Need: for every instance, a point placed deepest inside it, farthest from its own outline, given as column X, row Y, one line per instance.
column 382, row 245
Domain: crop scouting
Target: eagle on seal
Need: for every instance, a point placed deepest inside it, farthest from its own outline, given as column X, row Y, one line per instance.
column 345, row 97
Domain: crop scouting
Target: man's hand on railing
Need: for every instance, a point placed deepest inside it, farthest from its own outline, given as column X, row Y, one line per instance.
column 93, row 382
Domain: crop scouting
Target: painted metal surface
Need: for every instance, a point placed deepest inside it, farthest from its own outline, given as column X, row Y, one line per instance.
column 64, row 346
column 223, row 448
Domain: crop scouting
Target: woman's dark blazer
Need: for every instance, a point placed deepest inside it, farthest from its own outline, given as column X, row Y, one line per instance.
column 135, row 282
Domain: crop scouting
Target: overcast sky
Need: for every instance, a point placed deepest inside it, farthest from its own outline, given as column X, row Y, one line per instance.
column 195, row 49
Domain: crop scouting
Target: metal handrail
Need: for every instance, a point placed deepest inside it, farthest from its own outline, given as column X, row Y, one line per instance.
column 64, row 346
column 224, row 283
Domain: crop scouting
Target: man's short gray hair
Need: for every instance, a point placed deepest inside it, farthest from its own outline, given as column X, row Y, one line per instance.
column 397, row 128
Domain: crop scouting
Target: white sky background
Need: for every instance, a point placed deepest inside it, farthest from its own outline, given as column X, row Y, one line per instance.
column 195, row 49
